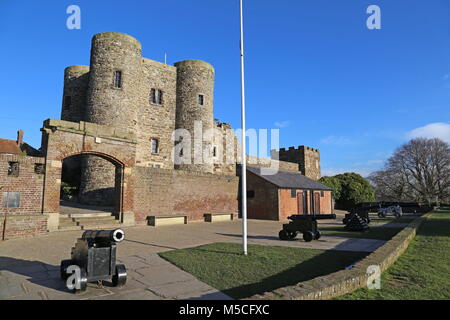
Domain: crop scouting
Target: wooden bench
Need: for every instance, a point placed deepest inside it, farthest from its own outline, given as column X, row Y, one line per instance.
column 215, row 217
column 165, row 220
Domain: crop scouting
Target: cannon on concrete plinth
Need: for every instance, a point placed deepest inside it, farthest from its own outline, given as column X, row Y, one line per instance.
column 305, row 224
column 95, row 256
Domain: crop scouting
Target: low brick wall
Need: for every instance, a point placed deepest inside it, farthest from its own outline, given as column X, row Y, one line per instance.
column 18, row 226
column 345, row 281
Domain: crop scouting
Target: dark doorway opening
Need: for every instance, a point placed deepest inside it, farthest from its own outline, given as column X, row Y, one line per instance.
column 90, row 183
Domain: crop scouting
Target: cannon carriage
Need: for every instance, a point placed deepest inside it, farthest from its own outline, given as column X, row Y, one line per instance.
column 95, row 255
column 305, row 224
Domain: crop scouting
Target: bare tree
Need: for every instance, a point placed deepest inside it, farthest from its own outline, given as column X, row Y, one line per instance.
column 419, row 170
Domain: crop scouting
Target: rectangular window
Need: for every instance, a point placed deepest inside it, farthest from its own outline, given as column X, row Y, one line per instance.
column 39, row 168
column 155, row 145
column 118, row 79
column 293, row 193
column 156, row 97
column 67, row 101
column 250, row 194
column 214, row 152
column 322, row 194
column 13, row 169
column 201, row 99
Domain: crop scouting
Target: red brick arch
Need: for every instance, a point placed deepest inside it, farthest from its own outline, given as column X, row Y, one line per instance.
column 62, row 139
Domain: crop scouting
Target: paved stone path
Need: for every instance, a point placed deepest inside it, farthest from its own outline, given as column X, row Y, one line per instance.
column 149, row 278
column 29, row 267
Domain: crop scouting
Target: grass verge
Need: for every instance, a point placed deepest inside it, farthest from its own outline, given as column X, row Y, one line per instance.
column 379, row 233
column 422, row 272
column 266, row 268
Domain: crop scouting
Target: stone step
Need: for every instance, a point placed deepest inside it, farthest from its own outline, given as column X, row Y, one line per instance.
column 68, row 228
column 99, row 219
column 100, row 226
column 98, row 223
column 91, row 214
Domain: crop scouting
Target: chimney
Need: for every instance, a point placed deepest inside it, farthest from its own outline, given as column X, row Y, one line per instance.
column 20, row 137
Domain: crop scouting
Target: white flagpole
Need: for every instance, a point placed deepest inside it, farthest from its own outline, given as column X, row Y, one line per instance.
column 243, row 155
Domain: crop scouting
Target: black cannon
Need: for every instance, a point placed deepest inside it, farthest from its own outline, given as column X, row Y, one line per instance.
column 362, row 212
column 306, row 224
column 95, row 255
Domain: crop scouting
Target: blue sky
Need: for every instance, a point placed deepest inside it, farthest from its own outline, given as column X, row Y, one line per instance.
column 313, row 68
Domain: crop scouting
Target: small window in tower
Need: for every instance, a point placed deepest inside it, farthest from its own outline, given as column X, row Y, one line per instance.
column 214, row 152
column 201, row 99
column 293, row 193
column 156, row 97
column 154, row 145
column 67, row 101
column 13, row 169
column 118, row 79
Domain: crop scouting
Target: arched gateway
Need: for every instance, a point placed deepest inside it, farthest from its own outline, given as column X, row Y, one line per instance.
column 64, row 139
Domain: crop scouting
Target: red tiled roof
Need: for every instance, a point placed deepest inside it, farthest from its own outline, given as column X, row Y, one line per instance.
column 9, row 146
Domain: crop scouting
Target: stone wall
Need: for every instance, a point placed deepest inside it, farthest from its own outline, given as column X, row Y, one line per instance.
column 76, row 81
column 345, row 281
column 308, row 159
column 165, row 192
column 156, row 121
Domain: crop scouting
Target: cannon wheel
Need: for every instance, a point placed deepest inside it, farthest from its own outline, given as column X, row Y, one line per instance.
column 292, row 235
column 317, row 235
column 283, row 235
column 381, row 215
column 308, row 236
column 120, row 277
column 63, row 268
column 83, row 282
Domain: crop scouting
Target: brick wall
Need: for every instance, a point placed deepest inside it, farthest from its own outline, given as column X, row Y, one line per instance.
column 160, row 192
column 28, row 183
column 289, row 204
column 264, row 205
column 18, row 226
column 27, row 219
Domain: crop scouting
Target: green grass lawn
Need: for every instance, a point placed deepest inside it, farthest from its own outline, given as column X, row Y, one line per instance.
column 266, row 268
column 423, row 271
column 379, row 233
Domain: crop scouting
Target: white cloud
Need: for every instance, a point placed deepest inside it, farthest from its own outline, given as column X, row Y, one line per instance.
column 338, row 141
column 282, row 124
column 446, row 77
column 439, row 130
column 334, row 171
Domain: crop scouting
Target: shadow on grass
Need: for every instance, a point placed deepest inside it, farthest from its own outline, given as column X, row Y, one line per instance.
column 320, row 265
column 378, row 233
column 249, row 237
column 266, row 268
column 438, row 225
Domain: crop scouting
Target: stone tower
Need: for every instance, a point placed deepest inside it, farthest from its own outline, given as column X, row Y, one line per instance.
column 76, row 81
column 150, row 99
column 195, row 90
column 308, row 160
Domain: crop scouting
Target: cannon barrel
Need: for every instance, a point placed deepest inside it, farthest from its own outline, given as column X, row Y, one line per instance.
column 116, row 235
column 312, row 216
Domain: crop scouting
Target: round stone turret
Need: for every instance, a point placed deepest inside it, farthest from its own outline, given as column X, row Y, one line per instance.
column 195, row 100
column 115, row 77
column 76, row 80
